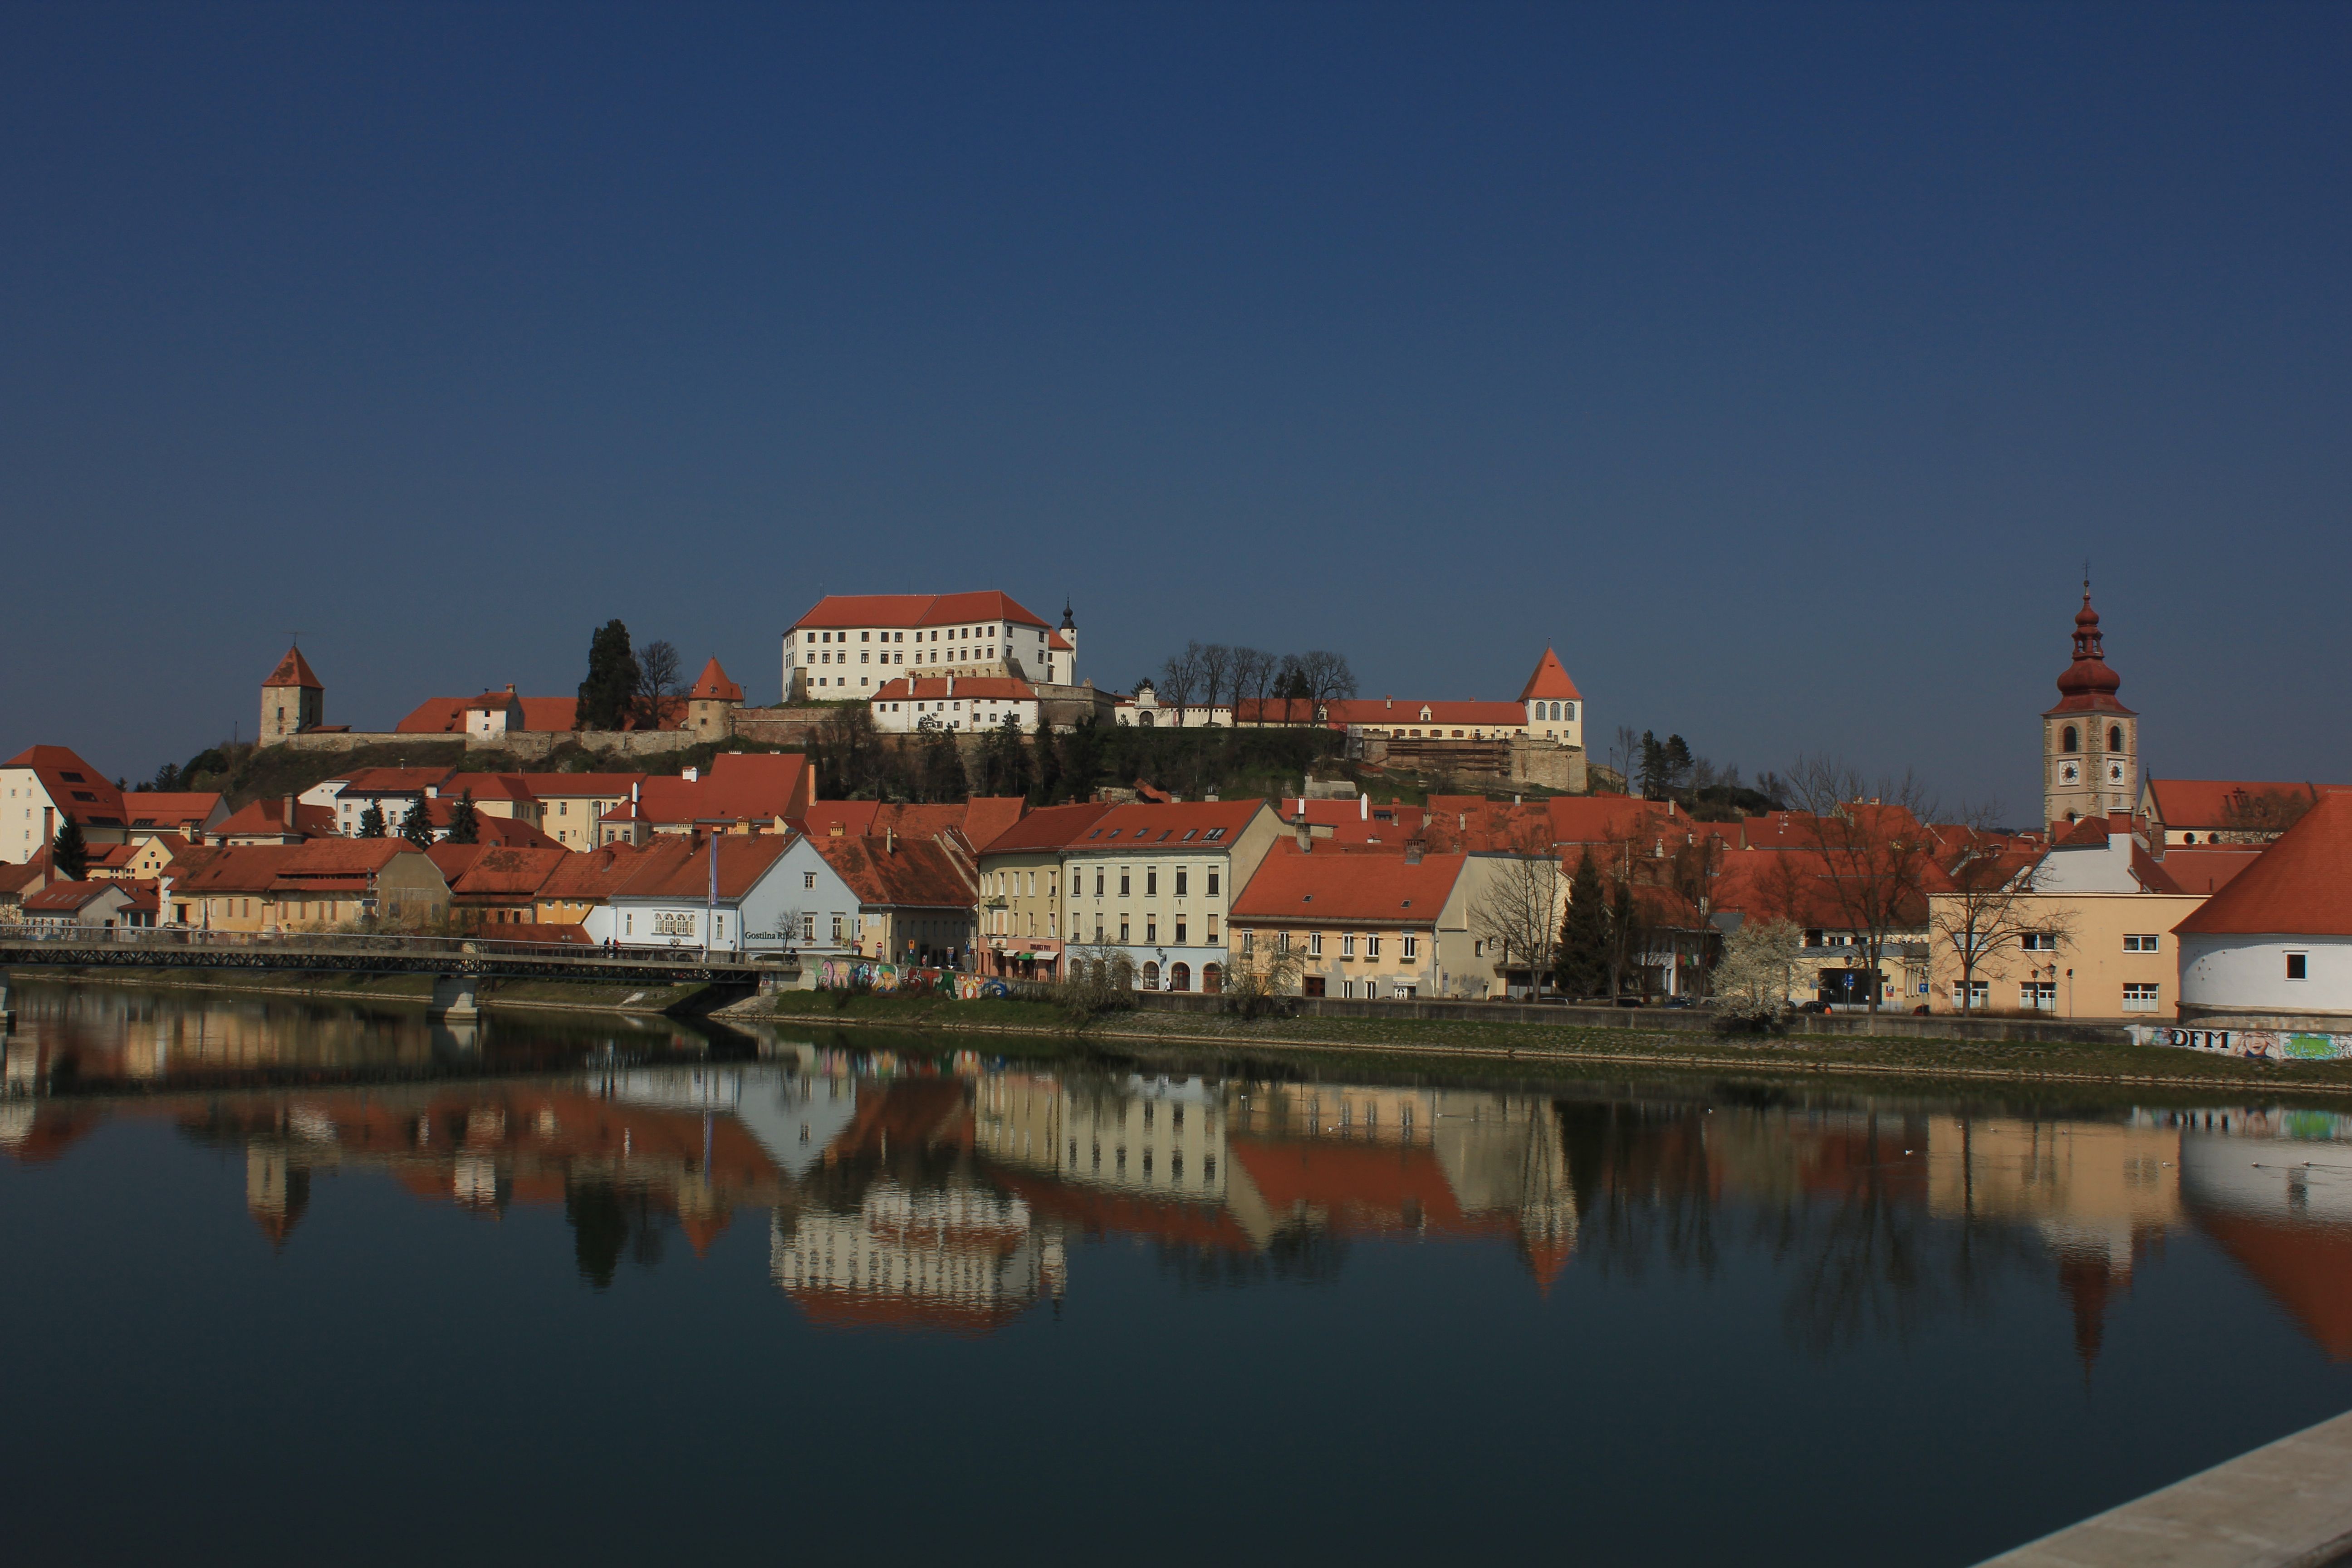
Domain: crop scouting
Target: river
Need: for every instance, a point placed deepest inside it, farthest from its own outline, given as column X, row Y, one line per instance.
column 293, row 1281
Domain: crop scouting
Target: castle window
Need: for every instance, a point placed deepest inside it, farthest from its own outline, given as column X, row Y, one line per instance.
column 2070, row 739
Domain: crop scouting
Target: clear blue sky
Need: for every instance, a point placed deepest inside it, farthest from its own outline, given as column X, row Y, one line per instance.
column 1777, row 364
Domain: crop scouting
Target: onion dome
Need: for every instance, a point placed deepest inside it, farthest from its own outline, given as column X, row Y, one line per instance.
column 2088, row 682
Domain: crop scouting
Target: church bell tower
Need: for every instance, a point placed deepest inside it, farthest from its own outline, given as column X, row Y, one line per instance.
column 2090, row 741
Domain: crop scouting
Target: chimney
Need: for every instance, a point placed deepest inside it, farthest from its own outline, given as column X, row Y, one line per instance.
column 691, row 776
column 1306, row 837
column 1516, row 801
column 290, row 813
column 511, row 689
column 951, row 686
column 1414, row 850
column 1363, row 807
column 837, row 829
column 889, row 841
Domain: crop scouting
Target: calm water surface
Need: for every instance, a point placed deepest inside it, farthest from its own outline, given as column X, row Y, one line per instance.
column 310, row 1283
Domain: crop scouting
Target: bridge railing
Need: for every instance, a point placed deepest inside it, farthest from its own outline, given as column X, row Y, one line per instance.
column 169, row 939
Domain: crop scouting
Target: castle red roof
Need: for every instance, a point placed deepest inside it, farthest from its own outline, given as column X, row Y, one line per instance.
column 917, row 610
column 1549, row 679
column 2299, row 886
column 295, row 670
column 714, row 686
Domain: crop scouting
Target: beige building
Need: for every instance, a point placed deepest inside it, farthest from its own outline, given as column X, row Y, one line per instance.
column 1152, row 880
column 1385, row 927
column 319, row 883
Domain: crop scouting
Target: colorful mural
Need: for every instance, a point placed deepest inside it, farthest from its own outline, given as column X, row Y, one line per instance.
column 906, row 980
column 2255, row 1045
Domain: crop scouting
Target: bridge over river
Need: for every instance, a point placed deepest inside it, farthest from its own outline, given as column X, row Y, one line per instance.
column 456, row 964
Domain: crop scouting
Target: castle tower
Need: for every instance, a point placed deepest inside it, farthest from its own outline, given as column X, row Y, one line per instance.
column 292, row 701
column 1554, row 706
column 2090, row 741
column 1061, row 669
column 711, row 705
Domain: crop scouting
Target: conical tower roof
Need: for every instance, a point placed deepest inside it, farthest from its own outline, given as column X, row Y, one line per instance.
column 715, row 685
column 1550, row 679
column 295, row 670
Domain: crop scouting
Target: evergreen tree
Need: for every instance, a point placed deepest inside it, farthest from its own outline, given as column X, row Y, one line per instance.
column 1582, row 967
column 69, row 852
column 464, row 827
column 942, row 765
column 1008, row 758
column 417, row 826
column 1049, row 768
column 167, row 778
column 372, row 820
column 613, row 680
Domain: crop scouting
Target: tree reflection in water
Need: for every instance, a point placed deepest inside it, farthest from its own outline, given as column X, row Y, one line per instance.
column 1643, row 1184
column 1299, row 1254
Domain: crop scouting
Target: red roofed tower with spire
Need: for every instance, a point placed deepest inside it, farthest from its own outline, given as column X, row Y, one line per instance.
column 293, row 699
column 2090, row 741
column 1555, row 708
column 711, row 705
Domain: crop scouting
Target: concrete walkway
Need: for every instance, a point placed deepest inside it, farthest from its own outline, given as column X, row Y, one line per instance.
column 2287, row 1505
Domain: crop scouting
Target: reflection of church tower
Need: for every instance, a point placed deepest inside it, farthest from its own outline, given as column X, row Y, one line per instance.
column 276, row 1191
column 2090, row 741
column 1547, row 1200
column 2088, row 1278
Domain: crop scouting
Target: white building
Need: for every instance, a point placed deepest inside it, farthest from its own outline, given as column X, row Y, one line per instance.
column 2273, row 947
column 1145, row 710
column 953, row 702
column 851, row 643
column 748, row 905
column 41, row 789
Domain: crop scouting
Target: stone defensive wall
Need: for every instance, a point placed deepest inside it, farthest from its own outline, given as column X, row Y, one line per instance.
column 1516, row 761
column 767, row 726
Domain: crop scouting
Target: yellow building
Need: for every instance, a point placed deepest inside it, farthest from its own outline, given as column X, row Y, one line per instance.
column 318, row 883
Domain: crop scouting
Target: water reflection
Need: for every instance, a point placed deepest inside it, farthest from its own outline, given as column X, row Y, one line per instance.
column 952, row 1193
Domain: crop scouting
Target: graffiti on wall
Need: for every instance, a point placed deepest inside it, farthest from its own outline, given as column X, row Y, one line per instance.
column 2254, row 1045
column 906, row 980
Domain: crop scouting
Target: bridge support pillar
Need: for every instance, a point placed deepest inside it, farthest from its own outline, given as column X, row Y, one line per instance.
column 7, row 1012
column 453, row 998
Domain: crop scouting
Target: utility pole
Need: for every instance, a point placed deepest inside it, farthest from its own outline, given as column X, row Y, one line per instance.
column 710, row 899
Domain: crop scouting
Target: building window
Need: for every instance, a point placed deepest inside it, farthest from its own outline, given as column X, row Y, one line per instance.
column 2038, row 995
column 1372, row 945
column 2298, row 966
column 1122, row 930
column 1180, row 933
column 1249, row 941
column 1152, row 883
column 1315, row 945
column 2039, row 942
column 1405, row 993
column 1975, row 993
column 1347, row 990
column 836, row 927
column 1151, row 929
column 1282, row 941
column 2140, row 945
column 1412, row 946
column 2139, row 998
column 1348, row 945
column 1212, row 880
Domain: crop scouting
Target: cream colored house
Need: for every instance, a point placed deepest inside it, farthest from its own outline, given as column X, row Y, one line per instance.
column 1382, row 927
column 320, row 882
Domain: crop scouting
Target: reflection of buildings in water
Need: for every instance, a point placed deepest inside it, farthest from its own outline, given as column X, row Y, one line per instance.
column 129, row 1035
column 958, row 1258
column 795, row 1115
column 2098, row 1193
column 277, row 1190
column 2274, row 1191
column 1235, row 1166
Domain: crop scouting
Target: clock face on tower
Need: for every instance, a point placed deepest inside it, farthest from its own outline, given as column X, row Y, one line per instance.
column 2115, row 773
column 2069, row 774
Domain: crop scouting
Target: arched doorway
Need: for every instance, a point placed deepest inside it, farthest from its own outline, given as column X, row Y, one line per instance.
column 1180, row 977
column 1151, row 976
column 1213, row 979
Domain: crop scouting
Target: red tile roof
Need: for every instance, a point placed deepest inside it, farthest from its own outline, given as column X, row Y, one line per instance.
column 541, row 715
column 905, row 873
column 2182, row 869
column 168, row 808
column 549, row 786
column 394, row 781
column 267, row 815
column 917, row 610
column 68, row 898
column 1184, row 825
column 2185, row 804
column 935, row 688
column 295, row 670
column 714, row 686
column 750, row 786
column 267, row 867
column 1290, row 885
column 591, row 875
column 502, row 875
column 679, row 866
column 1381, row 713
column 1549, row 679
column 2299, row 886
column 78, row 790
column 489, row 787
column 1048, row 827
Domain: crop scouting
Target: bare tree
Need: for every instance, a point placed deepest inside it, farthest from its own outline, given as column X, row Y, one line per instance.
column 1217, row 666
column 1876, row 848
column 1518, row 909
column 1326, row 676
column 1989, row 905
column 1260, row 973
column 1758, row 971
column 658, row 674
column 1180, row 676
column 1253, row 677
column 1624, row 747
column 2259, row 818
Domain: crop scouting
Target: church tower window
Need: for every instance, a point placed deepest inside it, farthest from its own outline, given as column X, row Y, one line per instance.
column 2070, row 739
column 2115, row 737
